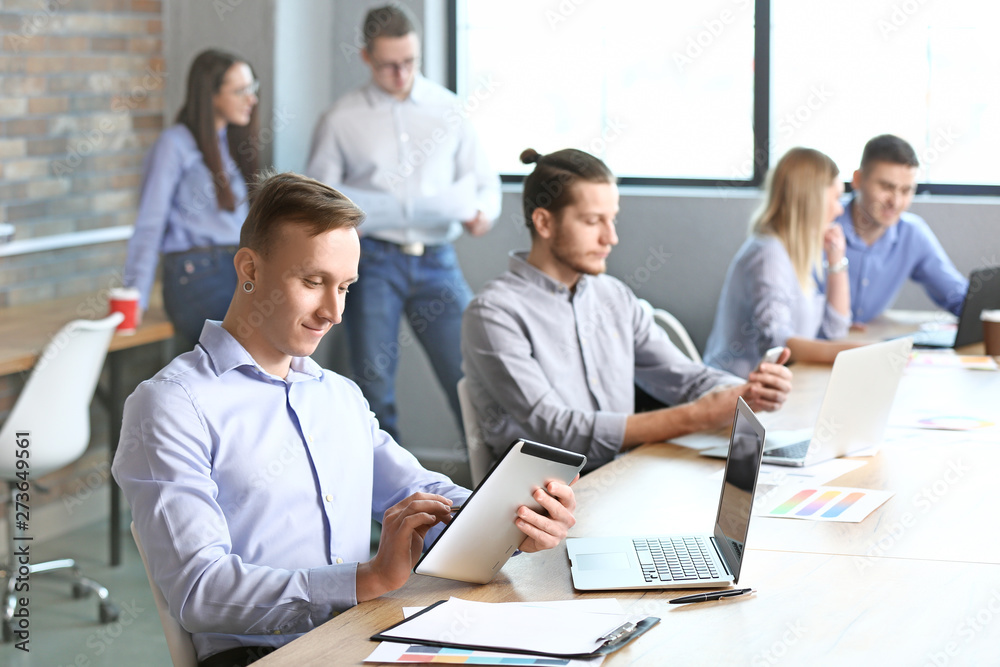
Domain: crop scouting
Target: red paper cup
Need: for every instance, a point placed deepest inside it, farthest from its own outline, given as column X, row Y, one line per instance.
column 125, row 300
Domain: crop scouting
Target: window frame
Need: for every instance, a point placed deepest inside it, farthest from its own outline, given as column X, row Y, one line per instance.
column 761, row 120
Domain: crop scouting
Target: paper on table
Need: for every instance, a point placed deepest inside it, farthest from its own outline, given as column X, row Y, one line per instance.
column 600, row 605
column 821, row 503
column 703, row 439
column 521, row 627
column 410, row 654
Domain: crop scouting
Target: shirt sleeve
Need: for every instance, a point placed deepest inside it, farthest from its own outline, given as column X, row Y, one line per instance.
column 663, row 371
column 773, row 297
column 494, row 346
column 835, row 324
column 164, row 466
column 163, row 172
column 328, row 164
column 472, row 159
column 398, row 475
column 941, row 280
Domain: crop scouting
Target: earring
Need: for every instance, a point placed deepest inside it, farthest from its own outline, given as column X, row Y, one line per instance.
column 248, row 287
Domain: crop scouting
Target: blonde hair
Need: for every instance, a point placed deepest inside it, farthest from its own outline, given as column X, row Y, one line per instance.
column 794, row 208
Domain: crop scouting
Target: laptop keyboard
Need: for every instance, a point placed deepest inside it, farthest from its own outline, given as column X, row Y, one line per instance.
column 796, row 451
column 675, row 559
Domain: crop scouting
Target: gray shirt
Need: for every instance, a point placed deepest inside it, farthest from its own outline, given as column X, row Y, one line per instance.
column 762, row 306
column 560, row 366
column 414, row 166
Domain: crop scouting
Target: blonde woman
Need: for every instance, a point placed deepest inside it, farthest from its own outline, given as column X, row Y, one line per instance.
column 779, row 291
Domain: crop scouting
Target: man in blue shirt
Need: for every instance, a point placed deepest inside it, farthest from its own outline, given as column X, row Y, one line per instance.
column 885, row 244
column 253, row 474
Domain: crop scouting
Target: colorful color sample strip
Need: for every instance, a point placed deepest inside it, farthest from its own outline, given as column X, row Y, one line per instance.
column 413, row 654
column 822, row 503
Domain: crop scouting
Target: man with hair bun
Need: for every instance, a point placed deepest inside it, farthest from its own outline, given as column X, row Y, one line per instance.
column 403, row 149
column 887, row 245
column 554, row 347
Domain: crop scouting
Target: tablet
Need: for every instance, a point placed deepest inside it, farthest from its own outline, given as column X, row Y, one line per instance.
column 480, row 538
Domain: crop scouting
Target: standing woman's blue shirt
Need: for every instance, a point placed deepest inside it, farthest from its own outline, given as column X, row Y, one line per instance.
column 178, row 209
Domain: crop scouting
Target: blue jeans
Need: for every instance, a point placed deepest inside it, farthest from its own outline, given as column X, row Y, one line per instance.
column 197, row 286
column 433, row 294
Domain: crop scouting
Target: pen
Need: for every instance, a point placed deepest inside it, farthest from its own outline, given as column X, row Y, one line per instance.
column 717, row 595
column 456, row 509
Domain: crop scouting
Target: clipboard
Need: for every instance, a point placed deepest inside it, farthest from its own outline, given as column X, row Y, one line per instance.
column 483, row 536
column 450, row 636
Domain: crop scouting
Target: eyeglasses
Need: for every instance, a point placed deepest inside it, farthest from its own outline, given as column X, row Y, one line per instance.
column 402, row 66
column 246, row 91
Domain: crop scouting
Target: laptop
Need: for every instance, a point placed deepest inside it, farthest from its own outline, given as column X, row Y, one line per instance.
column 682, row 561
column 855, row 409
column 983, row 294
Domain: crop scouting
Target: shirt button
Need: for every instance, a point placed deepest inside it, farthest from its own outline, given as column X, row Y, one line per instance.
column 329, row 497
column 340, row 561
column 865, row 282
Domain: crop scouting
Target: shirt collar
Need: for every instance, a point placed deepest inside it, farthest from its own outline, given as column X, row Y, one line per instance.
column 226, row 353
column 521, row 268
column 378, row 97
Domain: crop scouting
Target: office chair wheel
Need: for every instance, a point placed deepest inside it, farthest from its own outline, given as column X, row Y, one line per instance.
column 108, row 611
column 80, row 591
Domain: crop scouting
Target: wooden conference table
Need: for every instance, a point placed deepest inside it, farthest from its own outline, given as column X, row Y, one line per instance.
column 24, row 332
column 916, row 583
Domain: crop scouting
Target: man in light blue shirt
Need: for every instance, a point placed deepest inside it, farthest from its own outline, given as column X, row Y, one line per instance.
column 403, row 149
column 253, row 474
column 885, row 244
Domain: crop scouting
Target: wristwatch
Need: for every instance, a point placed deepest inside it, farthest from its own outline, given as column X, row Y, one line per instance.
column 838, row 266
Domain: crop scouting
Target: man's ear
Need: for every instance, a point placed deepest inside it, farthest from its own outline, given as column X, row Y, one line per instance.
column 856, row 179
column 543, row 221
column 246, row 262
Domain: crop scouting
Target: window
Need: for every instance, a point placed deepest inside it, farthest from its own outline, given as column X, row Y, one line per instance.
column 655, row 89
column 664, row 92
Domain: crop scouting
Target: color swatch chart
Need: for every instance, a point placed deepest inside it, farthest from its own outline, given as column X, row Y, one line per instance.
column 414, row 654
column 823, row 503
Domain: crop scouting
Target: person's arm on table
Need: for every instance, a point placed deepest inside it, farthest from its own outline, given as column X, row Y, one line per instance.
column 941, row 280
column 702, row 397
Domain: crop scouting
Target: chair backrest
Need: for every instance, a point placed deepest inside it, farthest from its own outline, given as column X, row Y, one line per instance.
column 179, row 642
column 54, row 405
column 677, row 333
column 480, row 454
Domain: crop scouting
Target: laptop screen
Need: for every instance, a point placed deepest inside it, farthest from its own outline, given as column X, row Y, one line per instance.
column 746, row 447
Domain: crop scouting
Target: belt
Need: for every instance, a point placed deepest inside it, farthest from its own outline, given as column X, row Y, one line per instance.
column 413, row 249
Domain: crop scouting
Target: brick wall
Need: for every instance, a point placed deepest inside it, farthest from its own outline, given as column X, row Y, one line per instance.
column 81, row 102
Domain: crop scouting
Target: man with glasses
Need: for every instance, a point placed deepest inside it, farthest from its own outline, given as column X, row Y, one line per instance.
column 402, row 148
column 886, row 245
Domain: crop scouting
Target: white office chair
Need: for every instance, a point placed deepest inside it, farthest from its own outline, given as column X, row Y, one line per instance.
column 179, row 642
column 480, row 454
column 675, row 330
column 49, row 428
column 678, row 334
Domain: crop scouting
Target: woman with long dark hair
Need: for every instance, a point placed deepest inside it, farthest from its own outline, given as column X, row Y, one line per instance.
column 194, row 195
